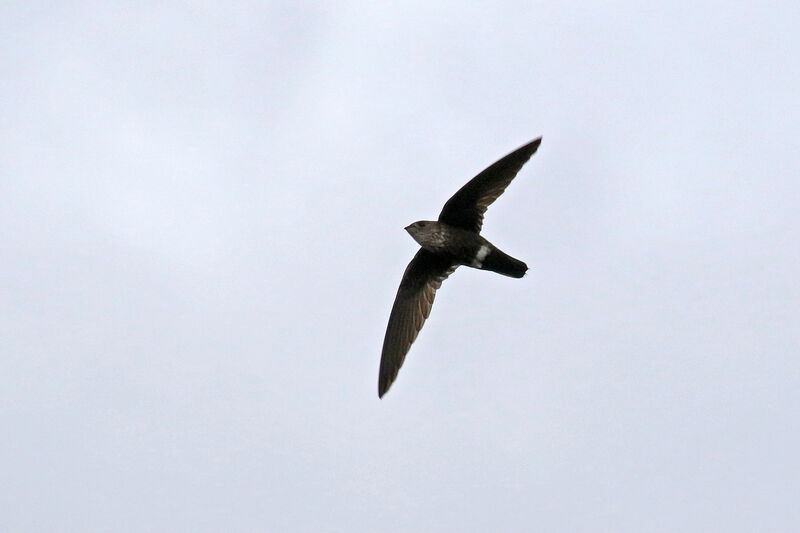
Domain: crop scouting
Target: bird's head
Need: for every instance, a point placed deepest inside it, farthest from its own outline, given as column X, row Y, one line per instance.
column 426, row 232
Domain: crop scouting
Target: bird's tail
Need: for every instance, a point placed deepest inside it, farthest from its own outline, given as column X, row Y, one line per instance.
column 504, row 264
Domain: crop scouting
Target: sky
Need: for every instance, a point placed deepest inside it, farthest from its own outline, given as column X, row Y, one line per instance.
column 201, row 230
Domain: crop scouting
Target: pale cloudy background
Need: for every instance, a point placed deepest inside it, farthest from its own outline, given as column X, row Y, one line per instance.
column 201, row 213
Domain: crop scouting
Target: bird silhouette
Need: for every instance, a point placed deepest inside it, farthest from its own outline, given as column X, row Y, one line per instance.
column 452, row 240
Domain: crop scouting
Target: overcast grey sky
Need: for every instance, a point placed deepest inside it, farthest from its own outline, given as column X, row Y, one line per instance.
column 201, row 224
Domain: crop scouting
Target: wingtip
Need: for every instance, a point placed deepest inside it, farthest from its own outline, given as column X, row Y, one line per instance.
column 529, row 148
column 383, row 387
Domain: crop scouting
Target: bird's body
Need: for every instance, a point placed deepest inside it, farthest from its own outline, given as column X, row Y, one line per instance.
column 448, row 243
column 464, row 247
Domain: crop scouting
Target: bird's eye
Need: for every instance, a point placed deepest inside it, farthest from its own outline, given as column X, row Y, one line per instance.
column 421, row 224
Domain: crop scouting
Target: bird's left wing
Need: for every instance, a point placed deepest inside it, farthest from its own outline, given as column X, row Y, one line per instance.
column 466, row 207
column 412, row 305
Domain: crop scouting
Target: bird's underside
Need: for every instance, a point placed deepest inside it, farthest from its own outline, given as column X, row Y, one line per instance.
column 453, row 240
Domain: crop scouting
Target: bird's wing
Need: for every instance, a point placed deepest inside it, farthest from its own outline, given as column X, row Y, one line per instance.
column 412, row 305
column 466, row 207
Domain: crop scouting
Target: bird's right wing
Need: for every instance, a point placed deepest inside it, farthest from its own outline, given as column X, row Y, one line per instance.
column 412, row 305
column 466, row 207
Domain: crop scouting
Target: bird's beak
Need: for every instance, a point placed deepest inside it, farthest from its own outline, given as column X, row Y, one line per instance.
column 406, row 228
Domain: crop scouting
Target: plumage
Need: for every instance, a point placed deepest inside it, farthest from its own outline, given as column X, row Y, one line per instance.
column 412, row 305
column 451, row 241
column 466, row 207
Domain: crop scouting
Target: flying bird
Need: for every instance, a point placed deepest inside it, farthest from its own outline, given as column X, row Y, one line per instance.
column 447, row 243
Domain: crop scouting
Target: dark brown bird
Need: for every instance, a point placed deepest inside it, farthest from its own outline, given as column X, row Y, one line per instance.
column 451, row 241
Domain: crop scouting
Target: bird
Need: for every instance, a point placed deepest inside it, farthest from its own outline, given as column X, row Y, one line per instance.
column 445, row 244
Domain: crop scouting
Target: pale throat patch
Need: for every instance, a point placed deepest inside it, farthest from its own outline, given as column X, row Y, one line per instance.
column 483, row 251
